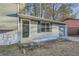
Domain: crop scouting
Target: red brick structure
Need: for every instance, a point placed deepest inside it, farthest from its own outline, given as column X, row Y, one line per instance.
column 73, row 26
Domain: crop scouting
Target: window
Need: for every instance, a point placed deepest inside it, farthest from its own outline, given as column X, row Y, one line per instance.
column 48, row 27
column 44, row 27
column 25, row 28
column 39, row 26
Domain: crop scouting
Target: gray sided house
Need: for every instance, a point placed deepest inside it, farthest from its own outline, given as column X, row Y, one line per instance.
column 36, row 29
column 8, row 23
column 8, row 30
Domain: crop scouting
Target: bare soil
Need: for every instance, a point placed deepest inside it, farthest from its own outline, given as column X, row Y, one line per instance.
column 58, row 48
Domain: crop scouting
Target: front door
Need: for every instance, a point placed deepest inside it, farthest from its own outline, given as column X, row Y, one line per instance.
column 25, row 28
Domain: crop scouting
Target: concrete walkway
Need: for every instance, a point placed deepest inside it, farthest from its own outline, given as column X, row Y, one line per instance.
column 73, row 38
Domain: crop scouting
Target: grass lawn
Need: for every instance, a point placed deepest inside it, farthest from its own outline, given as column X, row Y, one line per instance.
column 58, row 48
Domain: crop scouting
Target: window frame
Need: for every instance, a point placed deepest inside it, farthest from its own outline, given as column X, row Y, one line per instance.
column 46, row 26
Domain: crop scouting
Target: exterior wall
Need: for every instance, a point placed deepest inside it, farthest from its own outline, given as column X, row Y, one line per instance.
column 9, row 38
column 20, row 31
column 42, row 36
column 73, row 31
column 22, row 39
column 55, row 30
column 73, row 26
column 33, row 28
column 66, row 31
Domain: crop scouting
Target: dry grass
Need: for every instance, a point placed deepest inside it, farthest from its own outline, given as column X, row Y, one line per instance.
column 59, row 48
column 9, row 50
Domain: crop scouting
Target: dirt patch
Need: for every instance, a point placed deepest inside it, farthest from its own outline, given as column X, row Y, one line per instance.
column 59, row 48
column 9, row 50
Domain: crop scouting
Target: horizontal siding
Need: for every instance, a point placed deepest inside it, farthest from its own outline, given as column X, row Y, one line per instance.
column 42, row 36
column 33, row 28
column 8, row 38
column 55, row 30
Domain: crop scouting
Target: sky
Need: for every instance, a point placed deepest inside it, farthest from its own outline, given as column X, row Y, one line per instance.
column 76, row 10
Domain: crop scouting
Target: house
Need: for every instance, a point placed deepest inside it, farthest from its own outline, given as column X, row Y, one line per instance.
column 36, row 29
column 8, row 30
column 8, row 24
column 73, row 26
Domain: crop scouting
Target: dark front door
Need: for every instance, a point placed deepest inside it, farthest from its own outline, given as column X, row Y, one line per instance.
column 25, row 28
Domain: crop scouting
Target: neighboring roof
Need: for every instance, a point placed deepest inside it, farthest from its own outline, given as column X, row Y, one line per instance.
column 8, row 23
column 12, row 15
column 72, row 23
column 25, row 17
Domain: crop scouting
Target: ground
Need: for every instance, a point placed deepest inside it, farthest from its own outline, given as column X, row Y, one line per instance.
column 57, row 48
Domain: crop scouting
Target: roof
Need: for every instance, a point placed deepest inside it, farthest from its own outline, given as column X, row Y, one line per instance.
column 8, row 23
column 72, row 23
column 25, row 17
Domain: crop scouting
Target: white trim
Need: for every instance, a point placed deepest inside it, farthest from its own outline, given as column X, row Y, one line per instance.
column 66, row 31
column 39, row 19
column 18, row 24
column 21, row 29
column 29, row 28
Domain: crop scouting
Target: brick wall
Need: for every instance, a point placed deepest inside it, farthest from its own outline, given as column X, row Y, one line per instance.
column 73, row 31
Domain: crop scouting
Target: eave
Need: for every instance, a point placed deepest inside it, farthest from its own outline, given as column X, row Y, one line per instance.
column 25, row 17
